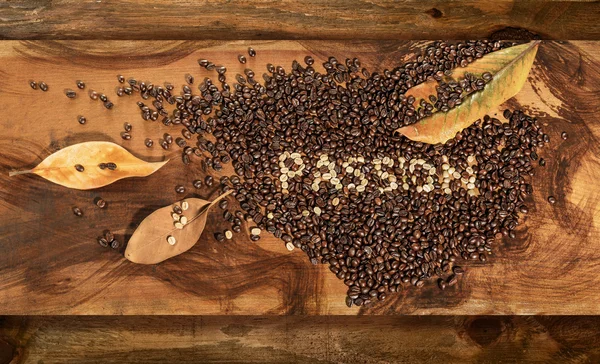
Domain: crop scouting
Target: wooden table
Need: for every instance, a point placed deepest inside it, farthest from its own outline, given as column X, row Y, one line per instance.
column 53, row 265
column 50, row 263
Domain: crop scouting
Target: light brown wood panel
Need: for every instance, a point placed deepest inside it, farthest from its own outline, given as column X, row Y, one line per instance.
column 218, row 339
column 51, row 264
column 288, row 19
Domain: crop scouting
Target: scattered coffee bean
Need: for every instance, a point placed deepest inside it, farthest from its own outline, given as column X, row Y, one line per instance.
column 108, row 104
column 203, row 62
column 103, row 243
column 457, row 270
column 43, row 86
column 251, row 52
column 127, row 127
column 80, row 84
column 77, row 211
column 81, row 119
column 125, row 135
column 442, row 284
column 180, row 189
column 223, row 204
column 564, row 135
column 542, row 162
column 111, row 166
column 551, row 199
column 228, row 234
column 220, row 237
column 209, row 180
column 197, row 184
column 103, row 98
column 236, row 228
column 109, row 236
column 452, row 280
column 149, row 143
column 93, row 95
column 33, row 85
column 121, row 79
column 255, row 237
column 102, row 165
column 115, row 244
column 255, row 231
column 70, row 94
column 189, row 79
column 100, row 203
column 79, row 168
column 178, row 210
column 242, row 59
column 171, row 240
column 185, row 205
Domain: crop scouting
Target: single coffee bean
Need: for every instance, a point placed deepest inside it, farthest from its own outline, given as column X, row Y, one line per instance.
column 251, row 52
column 220, row 237
column 203, row 62
column 108, row 104
column 255, row 237
column 109, row 236
column 223, row 204
column 93, row 95
column 442, row 284
column 80, row 84
column 103, row 243
column 236, row 228
column 127, row 127
column 452, row 280
column 149, row 143
column 121, row 79
column 457, row 270
column 197, row 184
column 43, row 86
column 242, row 59
column 180, row 189
column 125, row 135
column 551, row 199
column 115, row 244
column 77, row 211
column 100, row 203
column 103, row 98
column 70, row 94
column 178, row 210
column 189, row 79
column 102, row 166
column 209, row 180
column 33, row 85
column 542, row 162
column 564, row 135
column 79, row 168
column 81, row 119
column 309, row 60
column 112, row 166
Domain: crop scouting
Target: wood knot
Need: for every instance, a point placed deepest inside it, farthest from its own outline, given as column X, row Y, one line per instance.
column 485, row 330
column 434, row 13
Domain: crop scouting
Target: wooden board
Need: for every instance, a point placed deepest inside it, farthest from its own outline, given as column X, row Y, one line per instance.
column 51, row 264
column 311, row 19
column 365, row 340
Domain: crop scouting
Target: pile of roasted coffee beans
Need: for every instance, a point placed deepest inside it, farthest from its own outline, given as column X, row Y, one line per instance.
column 318, row 163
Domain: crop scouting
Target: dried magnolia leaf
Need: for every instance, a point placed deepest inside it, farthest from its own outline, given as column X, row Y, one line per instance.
column 509, row 67
column 158, row 239
column 85, row 166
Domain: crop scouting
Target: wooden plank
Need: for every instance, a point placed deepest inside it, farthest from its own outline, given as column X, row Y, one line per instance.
column 218, row 339
column 313, row 19
column 51, row 263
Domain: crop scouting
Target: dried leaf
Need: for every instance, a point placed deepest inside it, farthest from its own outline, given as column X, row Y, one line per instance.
column 149, row 245
column 60, row 168
column 509, row 67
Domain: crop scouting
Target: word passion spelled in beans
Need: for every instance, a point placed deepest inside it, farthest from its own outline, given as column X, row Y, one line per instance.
column 318, row 164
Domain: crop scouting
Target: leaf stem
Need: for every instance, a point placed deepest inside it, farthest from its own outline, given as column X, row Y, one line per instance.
column 16, row 173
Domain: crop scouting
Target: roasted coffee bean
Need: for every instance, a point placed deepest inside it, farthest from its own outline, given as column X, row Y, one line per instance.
column 121, row 79
column 79, row 168
column 108, row 104
column 220, row 237
column 177, row 209
column 442, row 284
column 223, row 204
column 564, row 135
column 180, row 189
column 202, row 62
column 102, row 165
column 149, row 142
column 255, row 237
column 551, row 199
column 127, row 127
column 103, row 243
column 209, row 180
column 111, row 166
column 125, row 135
column 100, row 203
column 251, row 52
column 70, row 94
column 103, row 98
column 109, row 236
column 189, row 79
column 80, row 84
column 43, row 86
column 93, row 95
column 197, row 184
column 168, row 138
column 81, row 119
column 236, row 228
column 33, row 85
column 115, row 244
column 242, row 59
column 77, row 211
column 542, row 162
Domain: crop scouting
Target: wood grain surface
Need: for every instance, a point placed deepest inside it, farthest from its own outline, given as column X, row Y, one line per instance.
column 288, row 19
column 366, row 340
column 51, row 264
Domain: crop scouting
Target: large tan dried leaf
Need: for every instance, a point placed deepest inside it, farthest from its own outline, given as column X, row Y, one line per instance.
column 509, row 67
column 148, row 244
column 59, row 167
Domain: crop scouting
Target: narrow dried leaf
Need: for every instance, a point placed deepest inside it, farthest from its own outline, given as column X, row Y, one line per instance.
column 149, row 244
column 509, row 67
column 60, row 168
